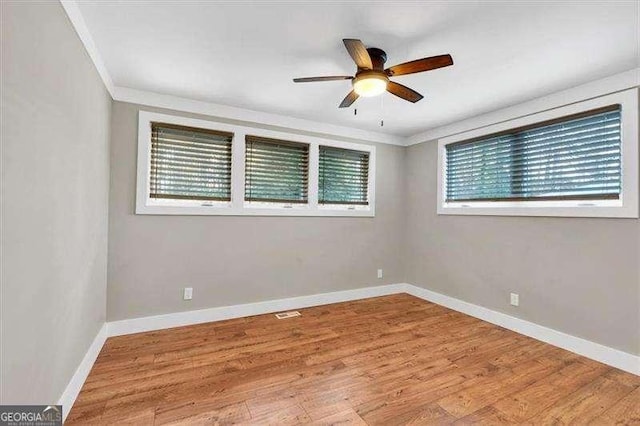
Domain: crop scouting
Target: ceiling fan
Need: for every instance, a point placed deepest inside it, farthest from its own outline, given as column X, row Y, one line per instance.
column 372, row 79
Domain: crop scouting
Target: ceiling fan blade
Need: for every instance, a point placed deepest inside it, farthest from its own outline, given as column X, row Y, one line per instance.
column 358, row 52
column 330, row 78
column 349, row 99
column 403, row 92
column 420, row 65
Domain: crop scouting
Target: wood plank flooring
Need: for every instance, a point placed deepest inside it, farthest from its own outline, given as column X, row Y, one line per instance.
column 381, row 361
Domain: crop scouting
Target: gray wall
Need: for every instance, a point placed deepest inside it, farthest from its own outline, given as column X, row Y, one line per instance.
column 577, row 275
column 55, row 177
column 233, row 260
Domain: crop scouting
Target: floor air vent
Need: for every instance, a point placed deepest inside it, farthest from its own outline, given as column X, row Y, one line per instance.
column 290, row 314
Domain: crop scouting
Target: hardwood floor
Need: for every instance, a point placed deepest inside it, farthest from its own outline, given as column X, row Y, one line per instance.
column 386, row 360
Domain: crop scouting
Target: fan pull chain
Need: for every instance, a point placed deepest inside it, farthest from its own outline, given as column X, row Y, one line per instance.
column 382, row 111
column 355, row 111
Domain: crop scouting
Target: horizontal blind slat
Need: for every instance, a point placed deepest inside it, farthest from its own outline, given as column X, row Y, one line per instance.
column 271, row 162
column 190, row 169
column 603, row 160
column 556, row 180
column 594, row 163
column 606, row 122
column 195, row 139
column 512, row 151
column 192, row 150
column 519, row 143
column 215, row 161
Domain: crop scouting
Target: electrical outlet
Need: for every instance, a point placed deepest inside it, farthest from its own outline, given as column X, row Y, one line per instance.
column 187, row 293
column 379, row 273
column 515, row 299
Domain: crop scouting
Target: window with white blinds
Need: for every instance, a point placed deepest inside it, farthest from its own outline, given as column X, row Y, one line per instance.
column 276, row 171
column 577, row 157
column 343, row 176
column 189, row 163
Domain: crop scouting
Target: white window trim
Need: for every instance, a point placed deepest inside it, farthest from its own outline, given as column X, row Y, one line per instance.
column 626, row 206
column 238, row 206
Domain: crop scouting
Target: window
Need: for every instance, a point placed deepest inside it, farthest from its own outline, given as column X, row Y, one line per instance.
column 276, row 170
column 575, row 157
column 343, row 176
column 576, row 164
column 188, row 166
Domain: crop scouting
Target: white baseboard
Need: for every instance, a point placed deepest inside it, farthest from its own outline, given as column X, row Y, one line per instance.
column 610, row 356
column 592, row 350
column 77, row 380
column 157, row 322
column 589, row 349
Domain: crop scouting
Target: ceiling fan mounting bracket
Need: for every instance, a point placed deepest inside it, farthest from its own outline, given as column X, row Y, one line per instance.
column 378, row 58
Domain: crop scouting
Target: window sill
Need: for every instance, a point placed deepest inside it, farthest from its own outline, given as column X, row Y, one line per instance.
column 227, row 209
column 586, row 208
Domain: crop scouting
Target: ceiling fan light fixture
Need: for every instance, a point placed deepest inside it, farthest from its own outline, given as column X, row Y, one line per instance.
column 372, row 79
column 370, row 84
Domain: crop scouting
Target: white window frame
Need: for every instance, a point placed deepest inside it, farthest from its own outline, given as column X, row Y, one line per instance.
column 238, row 206
column 625, row 207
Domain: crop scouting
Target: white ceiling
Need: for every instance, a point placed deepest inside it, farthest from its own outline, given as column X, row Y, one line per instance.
column 244, row 54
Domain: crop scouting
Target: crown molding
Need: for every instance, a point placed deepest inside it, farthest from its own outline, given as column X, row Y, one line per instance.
column 253, row 117
column 593, row 89
column 78, row 23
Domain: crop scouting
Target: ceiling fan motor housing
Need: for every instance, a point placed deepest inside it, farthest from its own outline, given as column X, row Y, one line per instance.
column 378, row 58
column 372, row 82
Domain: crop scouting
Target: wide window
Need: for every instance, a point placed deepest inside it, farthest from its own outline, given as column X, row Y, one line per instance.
column 343, row 176
column 189, row 163
column 188, row 166
column 577, row 160
column 576, row 157
column 276, row 170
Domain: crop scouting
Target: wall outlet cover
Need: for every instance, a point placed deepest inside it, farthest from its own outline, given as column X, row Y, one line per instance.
column 187, row 293
column 515, row 299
